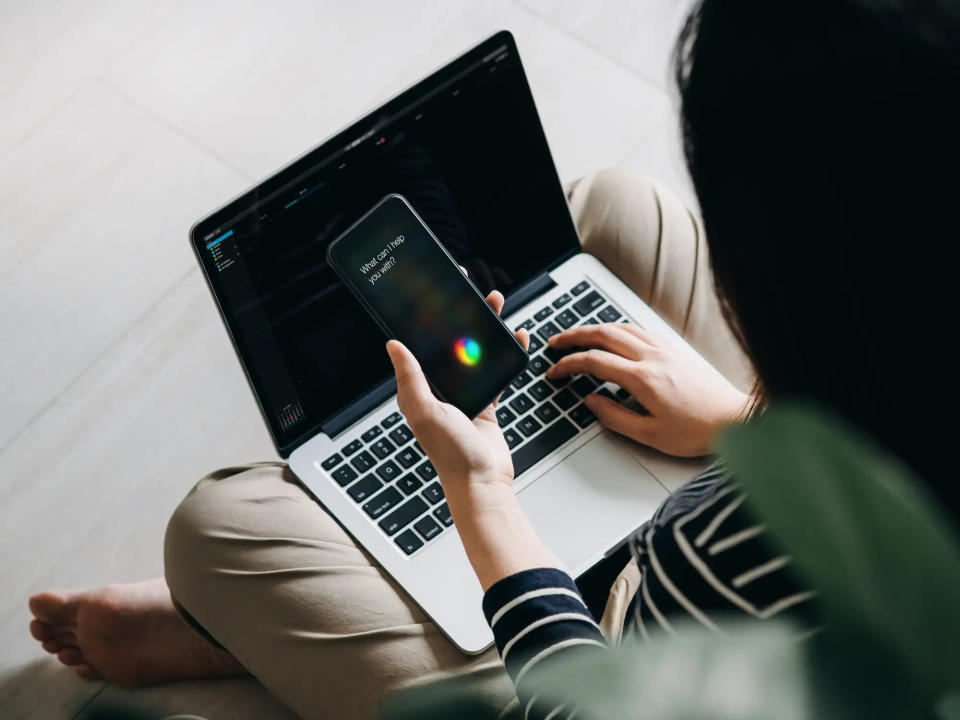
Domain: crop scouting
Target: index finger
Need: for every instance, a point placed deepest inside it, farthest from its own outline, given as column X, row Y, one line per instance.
column 609, row 336
column 601, row 364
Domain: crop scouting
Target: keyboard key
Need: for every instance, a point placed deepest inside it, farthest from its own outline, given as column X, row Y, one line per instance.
column 409, row 542
column 567, row 318
column 609, row 314
column 364, row 489
column 504, row 416
column 433, row 494
column 582, row 416
column 535, row 344
column 554, row 354
column 371, row 433
column 427, row 527
column 409, row 483
column 344, row 475
column 388, row 471
column 408, row 457
column 565, row 399
column 416, row 446
column 607, row 392
column 403, row 515
column 351, row 448
column 540, row 390
column 580, row 288
column 522, row 379
column 331, row 462
column 542, row 445
column 538, row 365
column 512, row 437
column 508, row 391
column 382, row 448
column 547, row 413
column 622, row 394
column 363, row 462
column 547, row 330
column 427, row 471
column 521, row 403
column 559, row 382
column 401, row 435
column 588, row 303
column 525, row 325
column 562, row 300
column 583, row 385
column 442, row 514
column 543, row 314
column 389, row 498
column 590, row 321
column 391, row 420
column 528, row 425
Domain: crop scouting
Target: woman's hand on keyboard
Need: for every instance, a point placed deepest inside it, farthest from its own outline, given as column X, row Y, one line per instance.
column 687, row 401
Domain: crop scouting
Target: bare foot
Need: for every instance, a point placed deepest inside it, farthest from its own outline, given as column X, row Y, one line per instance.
column 130, row 635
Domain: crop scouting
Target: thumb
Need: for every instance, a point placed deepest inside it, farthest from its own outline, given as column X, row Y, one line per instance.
column 413, row 391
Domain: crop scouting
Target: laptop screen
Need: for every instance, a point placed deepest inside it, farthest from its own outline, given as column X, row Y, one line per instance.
column 465, row 147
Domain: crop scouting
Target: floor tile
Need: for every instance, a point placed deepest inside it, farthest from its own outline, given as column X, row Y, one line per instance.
column 49, row 49
column 638, row 33
column 93, row 230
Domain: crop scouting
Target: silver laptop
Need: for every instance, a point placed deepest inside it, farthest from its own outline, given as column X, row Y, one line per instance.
column 466, row 148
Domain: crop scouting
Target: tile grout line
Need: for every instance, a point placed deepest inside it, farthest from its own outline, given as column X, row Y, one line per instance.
column 133, row 102
column 103, row 686
column 590, row 46
column 90, row 365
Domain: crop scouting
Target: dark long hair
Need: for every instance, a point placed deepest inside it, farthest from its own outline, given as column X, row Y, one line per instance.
column 822, row 139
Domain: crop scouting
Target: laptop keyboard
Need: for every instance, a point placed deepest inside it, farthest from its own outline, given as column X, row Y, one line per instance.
column 386, row 472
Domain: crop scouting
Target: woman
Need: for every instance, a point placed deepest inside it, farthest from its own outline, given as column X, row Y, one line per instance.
column 821, row 138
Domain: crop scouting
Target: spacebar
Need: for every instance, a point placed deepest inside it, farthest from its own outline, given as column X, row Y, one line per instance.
column 542, row 445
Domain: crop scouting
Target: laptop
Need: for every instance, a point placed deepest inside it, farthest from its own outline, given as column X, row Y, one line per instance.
column 465, row 146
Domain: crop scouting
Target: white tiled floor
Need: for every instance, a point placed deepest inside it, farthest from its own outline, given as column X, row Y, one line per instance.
column 121, row 123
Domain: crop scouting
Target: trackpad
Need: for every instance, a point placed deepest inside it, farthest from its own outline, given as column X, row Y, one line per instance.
column 591, row 500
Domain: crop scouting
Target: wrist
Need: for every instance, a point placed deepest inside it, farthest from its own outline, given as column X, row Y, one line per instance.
column 496, row 534
column 483, row 491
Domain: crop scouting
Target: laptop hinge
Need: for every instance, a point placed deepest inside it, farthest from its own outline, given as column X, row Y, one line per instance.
column 336, row 424
column 525, row 293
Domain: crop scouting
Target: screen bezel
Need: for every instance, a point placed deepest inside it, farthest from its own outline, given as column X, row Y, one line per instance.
column 324, row 153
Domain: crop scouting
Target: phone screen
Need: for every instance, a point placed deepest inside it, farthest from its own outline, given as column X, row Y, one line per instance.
column 416, row 292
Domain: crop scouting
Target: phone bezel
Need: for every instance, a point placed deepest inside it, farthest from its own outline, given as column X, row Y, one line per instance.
column 348, row 282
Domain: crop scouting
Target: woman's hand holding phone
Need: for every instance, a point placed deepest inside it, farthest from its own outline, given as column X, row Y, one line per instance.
column 475, row 468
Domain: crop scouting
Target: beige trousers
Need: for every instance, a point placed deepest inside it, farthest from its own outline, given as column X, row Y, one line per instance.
column 273, row 578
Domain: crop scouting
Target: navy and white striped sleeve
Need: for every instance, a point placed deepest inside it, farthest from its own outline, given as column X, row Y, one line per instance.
column 538, row 616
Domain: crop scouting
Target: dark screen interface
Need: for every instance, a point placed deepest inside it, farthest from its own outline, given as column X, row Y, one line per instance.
column 423, row 299
column 465, row 147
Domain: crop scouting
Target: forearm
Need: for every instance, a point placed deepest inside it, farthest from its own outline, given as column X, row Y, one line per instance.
column 496, row 534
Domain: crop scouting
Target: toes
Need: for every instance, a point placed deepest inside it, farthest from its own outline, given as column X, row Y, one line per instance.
column 40, row 630
column 71, row 656
column 61, row 642
column 86, row 671
column 53, row 608
column 44, row 631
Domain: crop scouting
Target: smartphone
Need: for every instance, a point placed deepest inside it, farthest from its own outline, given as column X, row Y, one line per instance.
column 416, row 292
